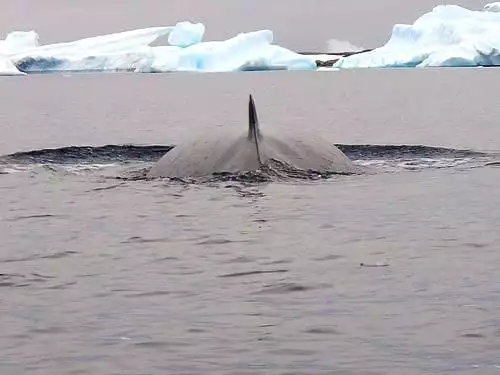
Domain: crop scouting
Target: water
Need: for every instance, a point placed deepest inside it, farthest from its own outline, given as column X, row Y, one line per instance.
column 394, row 272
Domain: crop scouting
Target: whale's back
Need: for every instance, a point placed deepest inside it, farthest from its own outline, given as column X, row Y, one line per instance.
column 206, row 156
column 307, row 153
column 242, row 153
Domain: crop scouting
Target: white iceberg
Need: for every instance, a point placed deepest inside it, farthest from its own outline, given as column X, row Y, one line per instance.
column 492, row 7
column 186, row 34
column 246, row 51
column 7, row 68
column 449, row 35
column 117, row 52
column 132, row 51
column 18, row 41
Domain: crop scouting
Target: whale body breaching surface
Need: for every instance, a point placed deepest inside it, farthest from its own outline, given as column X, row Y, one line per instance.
column 251, row 151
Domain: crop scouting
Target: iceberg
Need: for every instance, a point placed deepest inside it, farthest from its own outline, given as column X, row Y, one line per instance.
column 116, row 52
column 7, row 68
column 448, row 36
column 492, row 7
column 246, row 51
column 131, row 51
column 186, row 34
column 18, row 41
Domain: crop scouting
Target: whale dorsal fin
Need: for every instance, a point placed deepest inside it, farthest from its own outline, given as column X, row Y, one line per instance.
column 253, row 127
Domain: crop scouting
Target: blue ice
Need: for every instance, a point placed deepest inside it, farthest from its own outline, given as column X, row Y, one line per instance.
column 131, row 51
column 448, row 36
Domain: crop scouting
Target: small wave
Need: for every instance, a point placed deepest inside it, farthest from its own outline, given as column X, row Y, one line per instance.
column 284, row 288
column 34, row 216
column 323, row 331
column 17, row 280
column 219, row 241
column 27, row 258
column 385, row 152
column 138, row 239
column 131, row 153
column 251, row 273
column 89, row 155
column 82, row 159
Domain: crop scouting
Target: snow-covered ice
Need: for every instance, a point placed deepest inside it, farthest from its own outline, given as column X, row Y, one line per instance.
column 492, row 7
column 15, row 42
column 7, row 68
column 131, row 51
column 186, row 34
column 449, row 36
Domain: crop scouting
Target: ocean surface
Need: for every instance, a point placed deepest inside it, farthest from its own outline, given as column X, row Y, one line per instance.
column 103, row 272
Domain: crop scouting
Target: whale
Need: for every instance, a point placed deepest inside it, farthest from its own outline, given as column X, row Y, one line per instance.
column 250, row 151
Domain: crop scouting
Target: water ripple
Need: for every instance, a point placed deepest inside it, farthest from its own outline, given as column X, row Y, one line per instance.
column 248, row 273
column 284, row 288
column 17, row 280
column 56, row 255
column 138, row 239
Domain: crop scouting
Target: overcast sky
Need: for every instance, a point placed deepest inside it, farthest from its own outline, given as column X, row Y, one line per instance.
column 297, row 24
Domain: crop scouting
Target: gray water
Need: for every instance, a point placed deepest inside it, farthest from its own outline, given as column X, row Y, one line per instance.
column 394, row 272
column 103, row 274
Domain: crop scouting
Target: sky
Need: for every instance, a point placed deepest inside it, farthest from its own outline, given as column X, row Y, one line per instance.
column 297, row 24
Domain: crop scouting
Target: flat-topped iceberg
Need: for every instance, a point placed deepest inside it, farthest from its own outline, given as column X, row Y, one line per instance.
column 132, row 51
column 448, row 36
column 116, row 52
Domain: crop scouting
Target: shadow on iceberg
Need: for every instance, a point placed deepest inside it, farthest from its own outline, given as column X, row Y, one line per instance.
column 131, row 51
column 448, row 36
